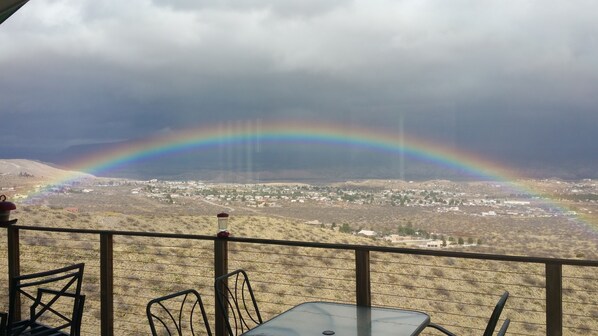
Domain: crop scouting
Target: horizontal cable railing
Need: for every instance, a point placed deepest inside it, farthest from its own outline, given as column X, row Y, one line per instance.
column 459, row 294
column 286, row 276
column 46, row 250
column 457, row 289
column 580, row 301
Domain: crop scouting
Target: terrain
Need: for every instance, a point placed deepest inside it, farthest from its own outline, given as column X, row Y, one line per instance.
column 560, row 219
column 483, row 217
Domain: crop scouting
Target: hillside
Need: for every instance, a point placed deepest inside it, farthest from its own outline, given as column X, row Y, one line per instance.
column 34, row 169
column 21, row 177
column 453, row 290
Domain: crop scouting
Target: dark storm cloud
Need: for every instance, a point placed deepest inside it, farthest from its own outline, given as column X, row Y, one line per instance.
column 506, row 78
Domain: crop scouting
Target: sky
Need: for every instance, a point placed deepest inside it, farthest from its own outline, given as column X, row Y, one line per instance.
column 512, row 81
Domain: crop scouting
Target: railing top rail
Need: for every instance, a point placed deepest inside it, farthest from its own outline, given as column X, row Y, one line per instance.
column 371, row 248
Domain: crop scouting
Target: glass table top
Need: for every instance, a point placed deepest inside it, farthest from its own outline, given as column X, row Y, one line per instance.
column 328, row 318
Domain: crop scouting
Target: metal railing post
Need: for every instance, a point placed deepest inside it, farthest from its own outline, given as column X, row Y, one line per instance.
column 14, row 265
column 554, row 299
column 106, row 284
column 220, row 268
column 362, row 278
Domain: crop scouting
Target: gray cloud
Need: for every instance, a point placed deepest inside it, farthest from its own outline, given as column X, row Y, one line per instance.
column 289, row 8
column 78, row 71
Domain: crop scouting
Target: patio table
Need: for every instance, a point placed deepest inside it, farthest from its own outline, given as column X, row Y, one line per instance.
column 330, row 318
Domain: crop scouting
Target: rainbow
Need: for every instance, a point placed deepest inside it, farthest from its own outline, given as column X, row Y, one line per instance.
column 374, row 139
column 292, row 132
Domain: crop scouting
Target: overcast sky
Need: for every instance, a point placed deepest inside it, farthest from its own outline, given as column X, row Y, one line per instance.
column 508, row 79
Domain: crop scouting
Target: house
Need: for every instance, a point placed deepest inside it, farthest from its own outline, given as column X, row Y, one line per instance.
column 434, row 244
column 367, row 233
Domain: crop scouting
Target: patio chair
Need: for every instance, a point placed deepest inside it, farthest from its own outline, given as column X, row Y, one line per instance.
column 491, row 322
column 237, row 302
column 176, row 314
column 54, row 299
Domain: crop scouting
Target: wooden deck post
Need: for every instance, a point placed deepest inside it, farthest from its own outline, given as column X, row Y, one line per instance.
column 554, row 299
column 14, row 265
column 107, row 284
column 362, row 278
column 220, row 268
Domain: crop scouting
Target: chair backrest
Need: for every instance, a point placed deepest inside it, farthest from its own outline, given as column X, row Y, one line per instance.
column 503, row 330
column 176, row 314
column 54, row 298
column 496, row 314
column 237, row 302
column 78, row 318
column 77, row 301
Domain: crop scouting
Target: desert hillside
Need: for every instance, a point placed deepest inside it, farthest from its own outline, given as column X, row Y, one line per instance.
column 19, row 177
column 454, row 291
column 34, row 169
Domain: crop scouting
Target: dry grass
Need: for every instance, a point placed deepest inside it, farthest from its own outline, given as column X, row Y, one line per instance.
column 456, row 292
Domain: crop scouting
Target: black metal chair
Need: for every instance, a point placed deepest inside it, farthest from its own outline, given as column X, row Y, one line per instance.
column 491, row 322
column 55, row 303
column 237, row 302
column 176, row 314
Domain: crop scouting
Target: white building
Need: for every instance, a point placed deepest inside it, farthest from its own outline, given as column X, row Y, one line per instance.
column 367, row 233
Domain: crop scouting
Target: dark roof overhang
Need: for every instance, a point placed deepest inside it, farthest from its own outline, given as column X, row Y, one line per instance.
column 9, row 7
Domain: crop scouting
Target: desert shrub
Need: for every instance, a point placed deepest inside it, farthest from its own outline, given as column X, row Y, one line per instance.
column 438, row 272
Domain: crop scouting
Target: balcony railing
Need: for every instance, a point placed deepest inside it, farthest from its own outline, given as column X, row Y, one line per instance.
column 125, row 269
